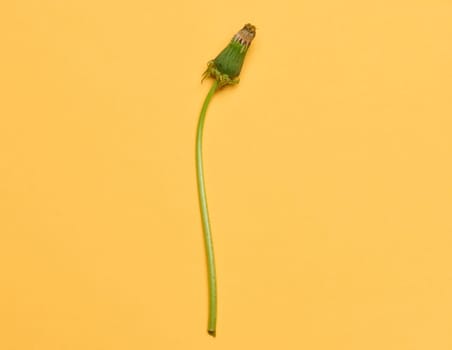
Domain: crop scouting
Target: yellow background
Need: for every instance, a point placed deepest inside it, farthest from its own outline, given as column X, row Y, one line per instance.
column 328, row 173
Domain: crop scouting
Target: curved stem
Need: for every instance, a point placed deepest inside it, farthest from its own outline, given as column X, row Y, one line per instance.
column 212, row 283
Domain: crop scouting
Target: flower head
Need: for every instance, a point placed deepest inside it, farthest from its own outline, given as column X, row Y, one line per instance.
column 226, row 67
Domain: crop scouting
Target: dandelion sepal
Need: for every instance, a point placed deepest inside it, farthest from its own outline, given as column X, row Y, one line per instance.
column 226, row 67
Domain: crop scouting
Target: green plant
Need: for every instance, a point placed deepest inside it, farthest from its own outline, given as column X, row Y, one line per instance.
column 225, row 70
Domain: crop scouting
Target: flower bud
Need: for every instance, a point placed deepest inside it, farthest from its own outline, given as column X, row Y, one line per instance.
column 226, row 67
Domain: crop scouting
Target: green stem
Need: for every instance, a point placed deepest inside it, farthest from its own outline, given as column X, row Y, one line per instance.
column 212, row 282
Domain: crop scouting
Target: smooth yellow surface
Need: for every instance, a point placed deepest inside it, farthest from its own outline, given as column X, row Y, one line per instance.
column 328, row 171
